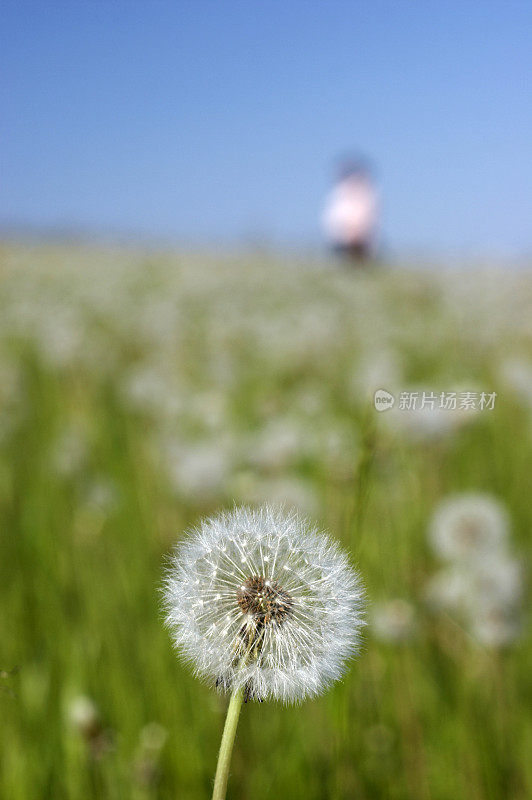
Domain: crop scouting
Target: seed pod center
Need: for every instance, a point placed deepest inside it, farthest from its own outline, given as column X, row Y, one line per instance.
column 265, row 600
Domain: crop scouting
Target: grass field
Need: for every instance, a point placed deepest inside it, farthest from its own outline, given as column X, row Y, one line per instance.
column 140, row 391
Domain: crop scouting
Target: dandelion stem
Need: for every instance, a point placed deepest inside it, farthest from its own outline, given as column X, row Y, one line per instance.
column 226, row 746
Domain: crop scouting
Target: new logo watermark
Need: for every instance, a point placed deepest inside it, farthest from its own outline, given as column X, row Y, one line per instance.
column 383, row 400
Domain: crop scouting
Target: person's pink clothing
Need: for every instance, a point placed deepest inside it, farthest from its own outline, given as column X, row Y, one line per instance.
column 350, row 214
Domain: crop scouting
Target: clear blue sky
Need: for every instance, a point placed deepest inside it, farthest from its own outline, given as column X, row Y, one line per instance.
column 213, row 121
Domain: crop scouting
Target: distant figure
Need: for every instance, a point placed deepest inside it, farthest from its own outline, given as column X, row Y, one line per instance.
column 350, row 215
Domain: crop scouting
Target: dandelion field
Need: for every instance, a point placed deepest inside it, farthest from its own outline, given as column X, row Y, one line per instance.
column 140, row 391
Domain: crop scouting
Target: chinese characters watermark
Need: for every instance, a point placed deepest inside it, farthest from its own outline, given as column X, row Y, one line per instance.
column 431, row 401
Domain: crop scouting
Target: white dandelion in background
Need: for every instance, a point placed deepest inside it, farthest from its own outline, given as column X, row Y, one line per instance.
column 448, row 589
column 495, row 603
column 483, row 582
column 265, row 606
column 516, row 374
column 497, row 625
column 394, row 621
column 487, row 595
column 468, row 526
column 499, row 580
column 84, row 716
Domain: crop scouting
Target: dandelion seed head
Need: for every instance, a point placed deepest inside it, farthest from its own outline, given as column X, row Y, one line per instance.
column 84, row 716
column 468, row 526
column 497, row 625
column 394, row 621
column 281, row 609
column 153, row 737
column 448, row 589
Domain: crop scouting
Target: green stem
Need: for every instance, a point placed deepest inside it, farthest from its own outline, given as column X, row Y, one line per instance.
column 226, row 746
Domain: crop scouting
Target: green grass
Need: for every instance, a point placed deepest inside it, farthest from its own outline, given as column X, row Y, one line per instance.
column 440, row 716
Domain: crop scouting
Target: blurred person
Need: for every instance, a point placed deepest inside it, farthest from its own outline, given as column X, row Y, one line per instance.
column 351, row 212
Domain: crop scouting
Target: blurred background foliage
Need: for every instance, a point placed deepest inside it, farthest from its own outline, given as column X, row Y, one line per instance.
column 141, row 390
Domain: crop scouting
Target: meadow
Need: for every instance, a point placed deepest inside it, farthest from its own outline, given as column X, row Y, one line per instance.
column 140, row 391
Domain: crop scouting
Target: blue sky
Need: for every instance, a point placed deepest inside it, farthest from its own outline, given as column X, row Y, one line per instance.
column 221, row 121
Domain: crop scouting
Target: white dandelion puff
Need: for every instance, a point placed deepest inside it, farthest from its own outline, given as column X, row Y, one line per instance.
column 499, row 580
column 484, row 583
column 497, row 625
column 494, row 581
column 468, row 526
column 448, row 589
column 260, row 600
column 394, row 621
column 84, row 716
